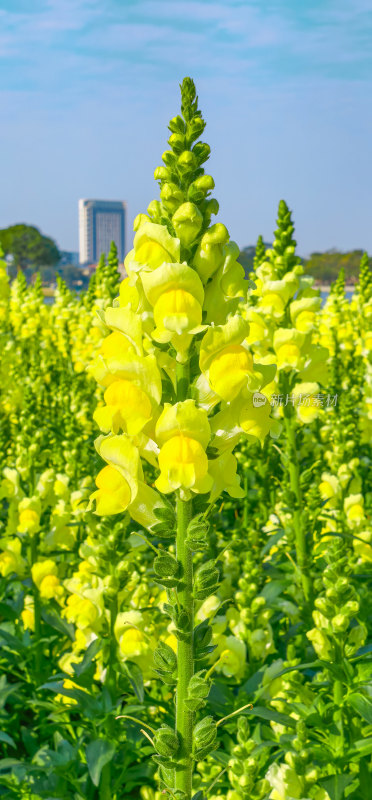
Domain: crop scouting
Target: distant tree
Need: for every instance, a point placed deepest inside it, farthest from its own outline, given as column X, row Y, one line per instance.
column 326, row 266
column 28, row 247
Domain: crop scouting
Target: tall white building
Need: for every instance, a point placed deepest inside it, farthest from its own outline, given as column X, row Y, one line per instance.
column 100, row 223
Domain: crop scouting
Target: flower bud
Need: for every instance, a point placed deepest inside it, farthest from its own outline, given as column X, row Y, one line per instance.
column 324, row 607
column 165, row 658
column 195, row 128
column 177, row 125
column 186, row 162
column 202, row 152
column 177, row 142
column 162, row 174
column 204, row 738
column 172, row 196
column 166, row 568
column 187, row 222
column 199, row 188
column 340, row 623
column 202, row 635
column 206, row 580
column 166, row 741
column 169, row 159
column 198, row 689
column 210, row 207
column 155, row 210
column 311, row 774
column 197, row 532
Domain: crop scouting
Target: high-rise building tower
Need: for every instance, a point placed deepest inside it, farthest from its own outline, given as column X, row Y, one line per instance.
column 100, row 223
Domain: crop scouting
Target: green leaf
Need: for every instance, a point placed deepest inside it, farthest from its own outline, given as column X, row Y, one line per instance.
column 84, row 699
column 7, row 612
column 98, row 754
column 4, row 737
column 361, row 748
column 58, row 623
column 273, row 589
column 362, row 705
column 12, row 641
column 91, row 652
column 6, row 763
column 135, row 678
column 336, row 785
column 271, row 715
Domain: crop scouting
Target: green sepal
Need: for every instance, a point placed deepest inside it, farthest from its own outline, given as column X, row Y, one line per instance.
column 204, row 738
column 166, row 515
column 204, row 652
column 165, row 658
column 198, row 686
column 163, row 531
column 166, row 677
column 194, row 704
column 166, row 568
column 202, row 152
column 197, row 533
column 177, row 125
column 166, row 741
column 202, row 634
column 206, row 580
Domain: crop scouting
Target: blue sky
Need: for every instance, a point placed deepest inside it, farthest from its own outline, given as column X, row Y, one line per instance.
column 87, row 88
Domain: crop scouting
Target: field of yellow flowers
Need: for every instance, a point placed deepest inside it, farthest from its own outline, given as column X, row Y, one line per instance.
column 185, row 517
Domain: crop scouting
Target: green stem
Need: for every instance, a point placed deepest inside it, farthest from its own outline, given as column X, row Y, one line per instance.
column 37, row 613
column 245, row 509
column 105, row 791
column 294, row 480
column 185, row 654
column 111, row 671
column 184, row 717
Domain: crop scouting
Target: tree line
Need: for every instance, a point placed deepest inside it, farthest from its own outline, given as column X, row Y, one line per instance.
column 30, row 251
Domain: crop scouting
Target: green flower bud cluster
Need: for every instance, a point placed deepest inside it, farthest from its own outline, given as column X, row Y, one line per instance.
column 335, row 634
column 244, row 769
column 185, row 206
column 284, row 245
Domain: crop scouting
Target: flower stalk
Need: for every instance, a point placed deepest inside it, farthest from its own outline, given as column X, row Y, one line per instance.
column 178, row 379
column 295, row 485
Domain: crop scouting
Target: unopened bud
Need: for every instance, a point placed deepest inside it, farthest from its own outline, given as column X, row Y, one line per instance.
column 177, row 142
column 187, row 222
column 202, row 152
column 166, row 741
column 162, row 174
column 171, row 196
column 165, row 658
column 206, row 580
column 204, row 738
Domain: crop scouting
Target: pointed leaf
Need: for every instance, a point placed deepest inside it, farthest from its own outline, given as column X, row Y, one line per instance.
column 336, row 785
column 135, row 678
column 362, row 705
column 98, row 754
